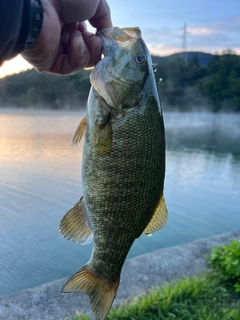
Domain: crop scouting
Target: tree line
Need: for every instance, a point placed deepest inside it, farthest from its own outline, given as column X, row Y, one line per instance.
column 189, row 85
column 203, row 81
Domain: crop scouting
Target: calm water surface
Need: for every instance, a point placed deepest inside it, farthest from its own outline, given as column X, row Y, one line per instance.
column 40, row 182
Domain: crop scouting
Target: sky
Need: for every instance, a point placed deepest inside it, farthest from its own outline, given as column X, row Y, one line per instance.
column 212, row 26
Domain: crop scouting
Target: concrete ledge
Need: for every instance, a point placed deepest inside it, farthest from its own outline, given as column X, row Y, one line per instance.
column 139, row 274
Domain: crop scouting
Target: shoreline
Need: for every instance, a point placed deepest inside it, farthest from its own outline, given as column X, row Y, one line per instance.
column 139, row 274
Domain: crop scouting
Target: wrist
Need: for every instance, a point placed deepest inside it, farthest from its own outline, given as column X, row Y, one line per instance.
column 42, row 52
column 35, row 21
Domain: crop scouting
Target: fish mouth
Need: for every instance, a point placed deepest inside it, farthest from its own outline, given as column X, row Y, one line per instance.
column 123, row 37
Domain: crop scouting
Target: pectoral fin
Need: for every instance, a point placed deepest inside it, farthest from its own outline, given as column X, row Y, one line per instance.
column 158, row 219
column 80, row 132
column 102, row 127
column 75, row 225
column 103, row 137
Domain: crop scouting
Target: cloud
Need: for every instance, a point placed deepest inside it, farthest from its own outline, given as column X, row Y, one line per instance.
column 201, row 31
column 163, row 50
column 237, row 50
column 208, row 38
column 164, row 34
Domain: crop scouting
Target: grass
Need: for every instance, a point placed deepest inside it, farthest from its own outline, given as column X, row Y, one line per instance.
column 214, row 295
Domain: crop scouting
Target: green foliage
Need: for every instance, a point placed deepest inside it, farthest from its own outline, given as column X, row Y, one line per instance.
column 31, row 89
column 206, row 81
column 225, row 261
column 222, row 82
column 188, row 86
column 198, row 298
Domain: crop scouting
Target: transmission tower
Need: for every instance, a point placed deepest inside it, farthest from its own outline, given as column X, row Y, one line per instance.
column 184, row 43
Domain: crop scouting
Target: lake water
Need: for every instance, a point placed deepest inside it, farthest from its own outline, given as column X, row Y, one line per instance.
column 40, row 181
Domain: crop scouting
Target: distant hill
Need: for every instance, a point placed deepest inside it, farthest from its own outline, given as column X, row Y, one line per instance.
column 202, row 57
column 206, row 81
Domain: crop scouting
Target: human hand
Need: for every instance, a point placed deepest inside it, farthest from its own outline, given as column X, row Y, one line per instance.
column 64, row 46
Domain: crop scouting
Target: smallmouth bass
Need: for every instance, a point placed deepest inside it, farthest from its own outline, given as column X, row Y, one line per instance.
column 123, row 166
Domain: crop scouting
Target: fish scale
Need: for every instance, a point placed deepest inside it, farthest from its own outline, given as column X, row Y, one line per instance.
column 126, row 188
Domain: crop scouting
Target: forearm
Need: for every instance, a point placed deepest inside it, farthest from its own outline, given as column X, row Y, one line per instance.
column 16, row 26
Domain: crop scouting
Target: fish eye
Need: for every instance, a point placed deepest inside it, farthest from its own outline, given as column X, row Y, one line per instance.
column 140, row 59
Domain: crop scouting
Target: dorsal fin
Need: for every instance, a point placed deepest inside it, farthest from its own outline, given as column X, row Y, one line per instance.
column 158, row 219
column 75, row 225
column 80, row 132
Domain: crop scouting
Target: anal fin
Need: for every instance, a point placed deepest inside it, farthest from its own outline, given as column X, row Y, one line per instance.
column 75, row 225
column 100, row 291
column 159, row 217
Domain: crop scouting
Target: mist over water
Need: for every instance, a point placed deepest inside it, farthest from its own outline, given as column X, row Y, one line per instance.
column 40, row 181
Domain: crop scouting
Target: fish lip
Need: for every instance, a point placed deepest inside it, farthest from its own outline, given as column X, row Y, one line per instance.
column 103, row 30
column 105, row 34
column 107, row 39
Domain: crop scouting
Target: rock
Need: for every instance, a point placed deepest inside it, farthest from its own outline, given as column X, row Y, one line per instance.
column 139, row 274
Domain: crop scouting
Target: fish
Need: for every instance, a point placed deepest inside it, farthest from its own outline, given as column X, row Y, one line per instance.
column 123, row 166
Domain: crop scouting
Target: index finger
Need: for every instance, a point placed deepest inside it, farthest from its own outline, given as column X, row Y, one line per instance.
column 102, row 16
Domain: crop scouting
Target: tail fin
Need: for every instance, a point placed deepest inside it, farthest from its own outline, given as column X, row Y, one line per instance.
column 101, row 292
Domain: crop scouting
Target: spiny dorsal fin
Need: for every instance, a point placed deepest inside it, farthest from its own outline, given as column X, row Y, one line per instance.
column 75, row 225
column 100, row 291
column 159, row 217
column 80, row 131
column 103, row 137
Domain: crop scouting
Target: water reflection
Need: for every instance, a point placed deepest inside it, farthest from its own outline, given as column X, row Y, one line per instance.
column 40, row 181
column 219, row 133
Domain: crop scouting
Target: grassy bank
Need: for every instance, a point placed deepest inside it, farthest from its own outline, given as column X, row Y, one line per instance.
column 214, row 295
